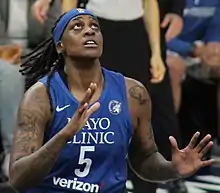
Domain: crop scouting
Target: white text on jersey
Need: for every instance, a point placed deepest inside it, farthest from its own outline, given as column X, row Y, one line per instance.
column 75, row 185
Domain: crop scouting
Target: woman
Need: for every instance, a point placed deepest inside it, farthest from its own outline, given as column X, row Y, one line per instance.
column 77, row 121
column 131, row 36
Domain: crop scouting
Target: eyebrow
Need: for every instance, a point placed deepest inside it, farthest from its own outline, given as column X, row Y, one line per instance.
column 94, row 18
column 79, row 18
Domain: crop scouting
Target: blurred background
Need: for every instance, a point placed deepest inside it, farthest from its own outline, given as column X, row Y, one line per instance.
column 190, row 40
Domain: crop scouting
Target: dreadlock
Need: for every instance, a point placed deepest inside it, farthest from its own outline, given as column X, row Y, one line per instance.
column 43, row 60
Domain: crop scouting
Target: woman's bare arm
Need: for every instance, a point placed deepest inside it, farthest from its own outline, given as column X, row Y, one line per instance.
column 152, row 24
column 30, row 161
column 144, row 157
column 68, row 5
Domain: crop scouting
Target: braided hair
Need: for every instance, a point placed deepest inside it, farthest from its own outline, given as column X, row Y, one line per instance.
column 43, row 60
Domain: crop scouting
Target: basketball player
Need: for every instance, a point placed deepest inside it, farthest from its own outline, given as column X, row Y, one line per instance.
column 77, row 120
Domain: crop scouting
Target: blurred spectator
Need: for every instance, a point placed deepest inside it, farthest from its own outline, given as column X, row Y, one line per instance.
column 27, row 32
column 12, row 87
column 199, row 39
column 195, row 54
column 171, row 16
column 19, row 32
column 41, row 8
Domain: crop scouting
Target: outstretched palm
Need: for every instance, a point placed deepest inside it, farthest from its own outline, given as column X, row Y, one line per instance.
column 189, row 160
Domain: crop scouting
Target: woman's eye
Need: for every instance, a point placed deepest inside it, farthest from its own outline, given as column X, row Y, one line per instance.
column 95, row 26
column 77, row 26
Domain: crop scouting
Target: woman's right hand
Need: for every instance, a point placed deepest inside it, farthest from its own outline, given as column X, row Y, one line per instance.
column 83, row 112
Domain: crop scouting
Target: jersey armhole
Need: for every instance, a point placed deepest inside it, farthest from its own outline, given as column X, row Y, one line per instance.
column 50, row 122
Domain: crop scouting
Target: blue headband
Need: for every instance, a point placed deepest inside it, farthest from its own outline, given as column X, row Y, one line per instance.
column 65, row 19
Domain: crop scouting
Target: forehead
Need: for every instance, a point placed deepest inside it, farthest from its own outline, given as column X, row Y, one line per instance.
column 83, row 18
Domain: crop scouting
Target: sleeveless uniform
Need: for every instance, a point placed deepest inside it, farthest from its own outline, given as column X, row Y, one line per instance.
column 94, row 160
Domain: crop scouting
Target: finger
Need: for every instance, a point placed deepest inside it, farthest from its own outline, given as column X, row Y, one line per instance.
column 43, row 12
column 36, row 13
column 207, row 162
column 213, row 48
column 157, row 77
column 86, row 97
column 83, row 108
column 218, row 49
column 17, row 55
column 156, row 80
column 89, row 94
column 169, row 35
column 174, row 144
column 206, row 149
column 203, row 143
column 155, row 73
column 93, row 87
column 39, row 18
column 15, row 59
column 194, row 140
column 166, row 21
column 92, row 109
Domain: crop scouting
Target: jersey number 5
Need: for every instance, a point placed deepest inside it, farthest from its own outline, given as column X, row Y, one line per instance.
column 83, row 160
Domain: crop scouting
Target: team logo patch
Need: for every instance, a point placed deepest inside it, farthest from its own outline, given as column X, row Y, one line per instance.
column 80, row 10
column 114, row 107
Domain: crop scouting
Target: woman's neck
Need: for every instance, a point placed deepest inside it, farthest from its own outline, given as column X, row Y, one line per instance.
column 81, row 74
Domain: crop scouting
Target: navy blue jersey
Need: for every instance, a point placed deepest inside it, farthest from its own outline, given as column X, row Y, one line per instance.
column 94, row 160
